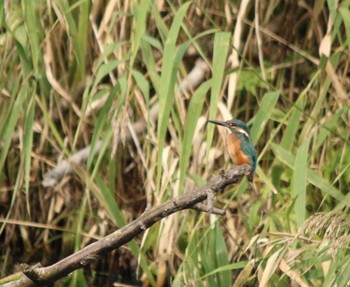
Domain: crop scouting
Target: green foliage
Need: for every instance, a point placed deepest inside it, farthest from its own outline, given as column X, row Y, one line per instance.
column 250, row 81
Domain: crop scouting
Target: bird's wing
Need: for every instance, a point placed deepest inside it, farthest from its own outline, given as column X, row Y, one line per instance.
column 253, row 155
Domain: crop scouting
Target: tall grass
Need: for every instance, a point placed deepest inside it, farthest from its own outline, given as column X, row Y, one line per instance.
column 82, row 73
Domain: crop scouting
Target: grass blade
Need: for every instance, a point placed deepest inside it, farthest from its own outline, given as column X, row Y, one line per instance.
column 266, row 107
column 140, row 12
column 74, row 33
column 194, row 111
column 271, row 266
column 32, row 30
column 232, row 266
column 167, row 83
column 293, row 124
column 11, row 124
column 28, row 143
column 224, row 277
column 221, row 45
column 299, row 182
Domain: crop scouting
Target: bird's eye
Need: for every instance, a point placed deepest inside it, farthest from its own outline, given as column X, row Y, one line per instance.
column 231, row 124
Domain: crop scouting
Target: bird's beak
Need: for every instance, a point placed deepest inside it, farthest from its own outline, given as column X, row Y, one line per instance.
column 220, row 123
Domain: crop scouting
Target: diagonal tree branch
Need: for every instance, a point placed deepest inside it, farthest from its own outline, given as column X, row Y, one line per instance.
column 36, row 276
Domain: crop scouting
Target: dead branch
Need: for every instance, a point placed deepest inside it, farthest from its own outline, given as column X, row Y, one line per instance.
column 36, row 275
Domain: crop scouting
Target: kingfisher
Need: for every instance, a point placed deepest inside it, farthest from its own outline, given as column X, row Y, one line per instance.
column 239, row 145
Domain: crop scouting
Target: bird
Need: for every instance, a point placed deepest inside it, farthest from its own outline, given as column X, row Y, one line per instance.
column 239, row 145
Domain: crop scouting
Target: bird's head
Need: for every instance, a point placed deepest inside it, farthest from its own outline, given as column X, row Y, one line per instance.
column 234, row 125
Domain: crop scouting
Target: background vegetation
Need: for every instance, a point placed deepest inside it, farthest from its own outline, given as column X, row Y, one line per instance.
column 75, row 72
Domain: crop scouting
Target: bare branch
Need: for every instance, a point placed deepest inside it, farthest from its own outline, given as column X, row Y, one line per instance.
column 34, row 276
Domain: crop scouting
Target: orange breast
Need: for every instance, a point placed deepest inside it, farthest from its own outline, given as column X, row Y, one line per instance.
column 233, row 146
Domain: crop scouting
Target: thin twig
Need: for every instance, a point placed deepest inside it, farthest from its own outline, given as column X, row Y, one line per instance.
column 206, row 208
